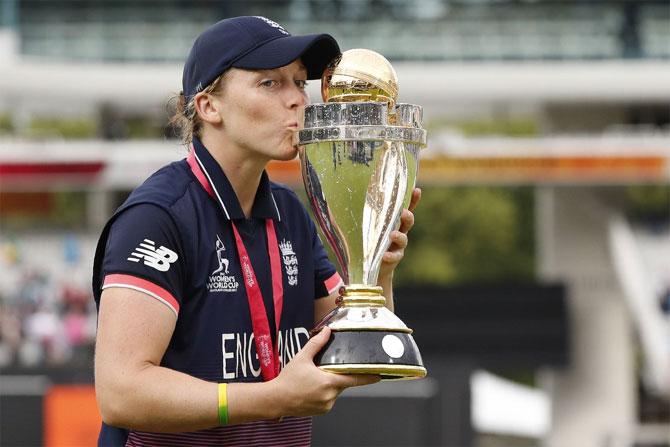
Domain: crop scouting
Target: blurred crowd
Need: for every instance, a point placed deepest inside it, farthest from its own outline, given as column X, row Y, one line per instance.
column 47, row 314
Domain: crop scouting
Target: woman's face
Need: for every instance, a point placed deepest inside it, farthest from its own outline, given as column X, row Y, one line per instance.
column 259, row 109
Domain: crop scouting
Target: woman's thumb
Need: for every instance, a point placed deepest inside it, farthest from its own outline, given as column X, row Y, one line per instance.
column 317, row 342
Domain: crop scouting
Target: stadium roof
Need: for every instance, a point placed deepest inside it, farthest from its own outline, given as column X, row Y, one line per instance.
column 433, row 85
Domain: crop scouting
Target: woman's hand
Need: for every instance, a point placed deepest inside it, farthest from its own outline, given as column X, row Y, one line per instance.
column 396, row 250
column 305, row 390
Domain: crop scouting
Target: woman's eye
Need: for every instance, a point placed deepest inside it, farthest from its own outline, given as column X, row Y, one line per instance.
column 301, row 83
column 268, row 83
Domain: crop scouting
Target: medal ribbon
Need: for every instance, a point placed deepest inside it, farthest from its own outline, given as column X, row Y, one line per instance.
column 268, row 355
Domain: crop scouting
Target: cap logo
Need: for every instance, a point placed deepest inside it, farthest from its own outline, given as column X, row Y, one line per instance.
column 198, row 88
column 273, row 24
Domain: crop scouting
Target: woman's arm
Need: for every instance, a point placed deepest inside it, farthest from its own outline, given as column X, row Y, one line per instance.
column 134, row 392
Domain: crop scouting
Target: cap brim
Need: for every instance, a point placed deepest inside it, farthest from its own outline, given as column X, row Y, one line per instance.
column 315, row 50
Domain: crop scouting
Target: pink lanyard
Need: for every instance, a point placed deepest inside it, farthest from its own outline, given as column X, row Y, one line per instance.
column 268, row 355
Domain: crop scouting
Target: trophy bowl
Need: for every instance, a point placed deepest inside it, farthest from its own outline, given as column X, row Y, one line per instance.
column 359, row 156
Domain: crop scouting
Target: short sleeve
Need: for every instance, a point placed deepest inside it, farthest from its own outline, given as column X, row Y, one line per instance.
column 144, row 253
column 326, row 278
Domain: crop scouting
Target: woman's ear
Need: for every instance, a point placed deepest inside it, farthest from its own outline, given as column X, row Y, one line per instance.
column 207, row 108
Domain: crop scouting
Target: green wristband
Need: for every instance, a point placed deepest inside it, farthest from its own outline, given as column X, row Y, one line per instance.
column 223, row 404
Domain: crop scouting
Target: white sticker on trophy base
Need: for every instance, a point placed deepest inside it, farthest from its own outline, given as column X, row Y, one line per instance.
column 393, row 346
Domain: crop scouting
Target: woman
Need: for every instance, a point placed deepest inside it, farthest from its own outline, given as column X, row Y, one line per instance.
column 207, row 238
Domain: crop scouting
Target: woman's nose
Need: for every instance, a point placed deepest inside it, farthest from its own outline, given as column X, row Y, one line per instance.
column 296, row 97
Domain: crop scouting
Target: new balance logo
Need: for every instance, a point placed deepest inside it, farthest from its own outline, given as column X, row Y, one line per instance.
column 159, row 258
column 273, row 24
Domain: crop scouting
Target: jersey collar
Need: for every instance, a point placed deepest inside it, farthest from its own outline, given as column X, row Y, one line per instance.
column 212, row 178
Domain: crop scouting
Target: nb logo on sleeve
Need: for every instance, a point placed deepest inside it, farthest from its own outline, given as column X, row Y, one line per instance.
column 159, row 258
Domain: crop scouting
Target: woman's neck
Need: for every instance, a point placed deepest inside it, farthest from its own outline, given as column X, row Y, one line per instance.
column 243, row 171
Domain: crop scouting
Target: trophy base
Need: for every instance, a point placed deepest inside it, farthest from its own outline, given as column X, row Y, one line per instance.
column 389, row 354
column 387, row 372
column 367, row 338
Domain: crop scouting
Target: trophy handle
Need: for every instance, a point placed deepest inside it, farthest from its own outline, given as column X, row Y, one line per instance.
column 383, row 206
column 323, row 215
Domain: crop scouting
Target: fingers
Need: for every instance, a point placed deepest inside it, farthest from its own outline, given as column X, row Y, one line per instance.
column 396, row 250
column 399, row 240
column 314, row 344
column 365, row 379
column 406, row 221
column 416, row 196
column 393, row 257
column 352, row 380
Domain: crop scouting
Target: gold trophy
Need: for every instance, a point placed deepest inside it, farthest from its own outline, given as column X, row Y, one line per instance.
column 359, row 154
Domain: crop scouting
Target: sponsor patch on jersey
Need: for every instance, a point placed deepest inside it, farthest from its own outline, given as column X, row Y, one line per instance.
column 160, row 258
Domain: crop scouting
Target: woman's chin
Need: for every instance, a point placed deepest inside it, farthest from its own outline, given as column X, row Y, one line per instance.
column 287, row 154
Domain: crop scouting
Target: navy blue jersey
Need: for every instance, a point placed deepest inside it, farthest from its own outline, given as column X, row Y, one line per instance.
column 173, row 240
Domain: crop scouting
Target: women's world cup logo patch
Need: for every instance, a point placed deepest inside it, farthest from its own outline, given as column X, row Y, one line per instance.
column 290, row 261
column 219, row 280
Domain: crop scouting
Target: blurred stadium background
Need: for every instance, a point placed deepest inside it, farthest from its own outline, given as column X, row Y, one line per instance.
column 538, row 275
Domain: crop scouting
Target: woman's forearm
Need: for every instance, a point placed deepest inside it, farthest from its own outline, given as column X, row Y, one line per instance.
column 134, row 392
column 159, row 399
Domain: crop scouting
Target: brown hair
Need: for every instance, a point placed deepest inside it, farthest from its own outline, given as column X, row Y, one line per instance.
column 185, row 120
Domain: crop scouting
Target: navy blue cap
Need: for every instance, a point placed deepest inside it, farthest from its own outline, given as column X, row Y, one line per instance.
column 252, row 42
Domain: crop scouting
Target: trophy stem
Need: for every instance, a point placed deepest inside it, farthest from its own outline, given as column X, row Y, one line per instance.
column 361, row 295
column 361, row 308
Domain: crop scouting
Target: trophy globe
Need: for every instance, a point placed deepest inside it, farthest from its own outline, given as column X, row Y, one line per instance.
column 360, row 75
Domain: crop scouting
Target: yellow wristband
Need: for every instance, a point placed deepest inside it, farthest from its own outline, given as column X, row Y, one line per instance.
column 223, row 404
